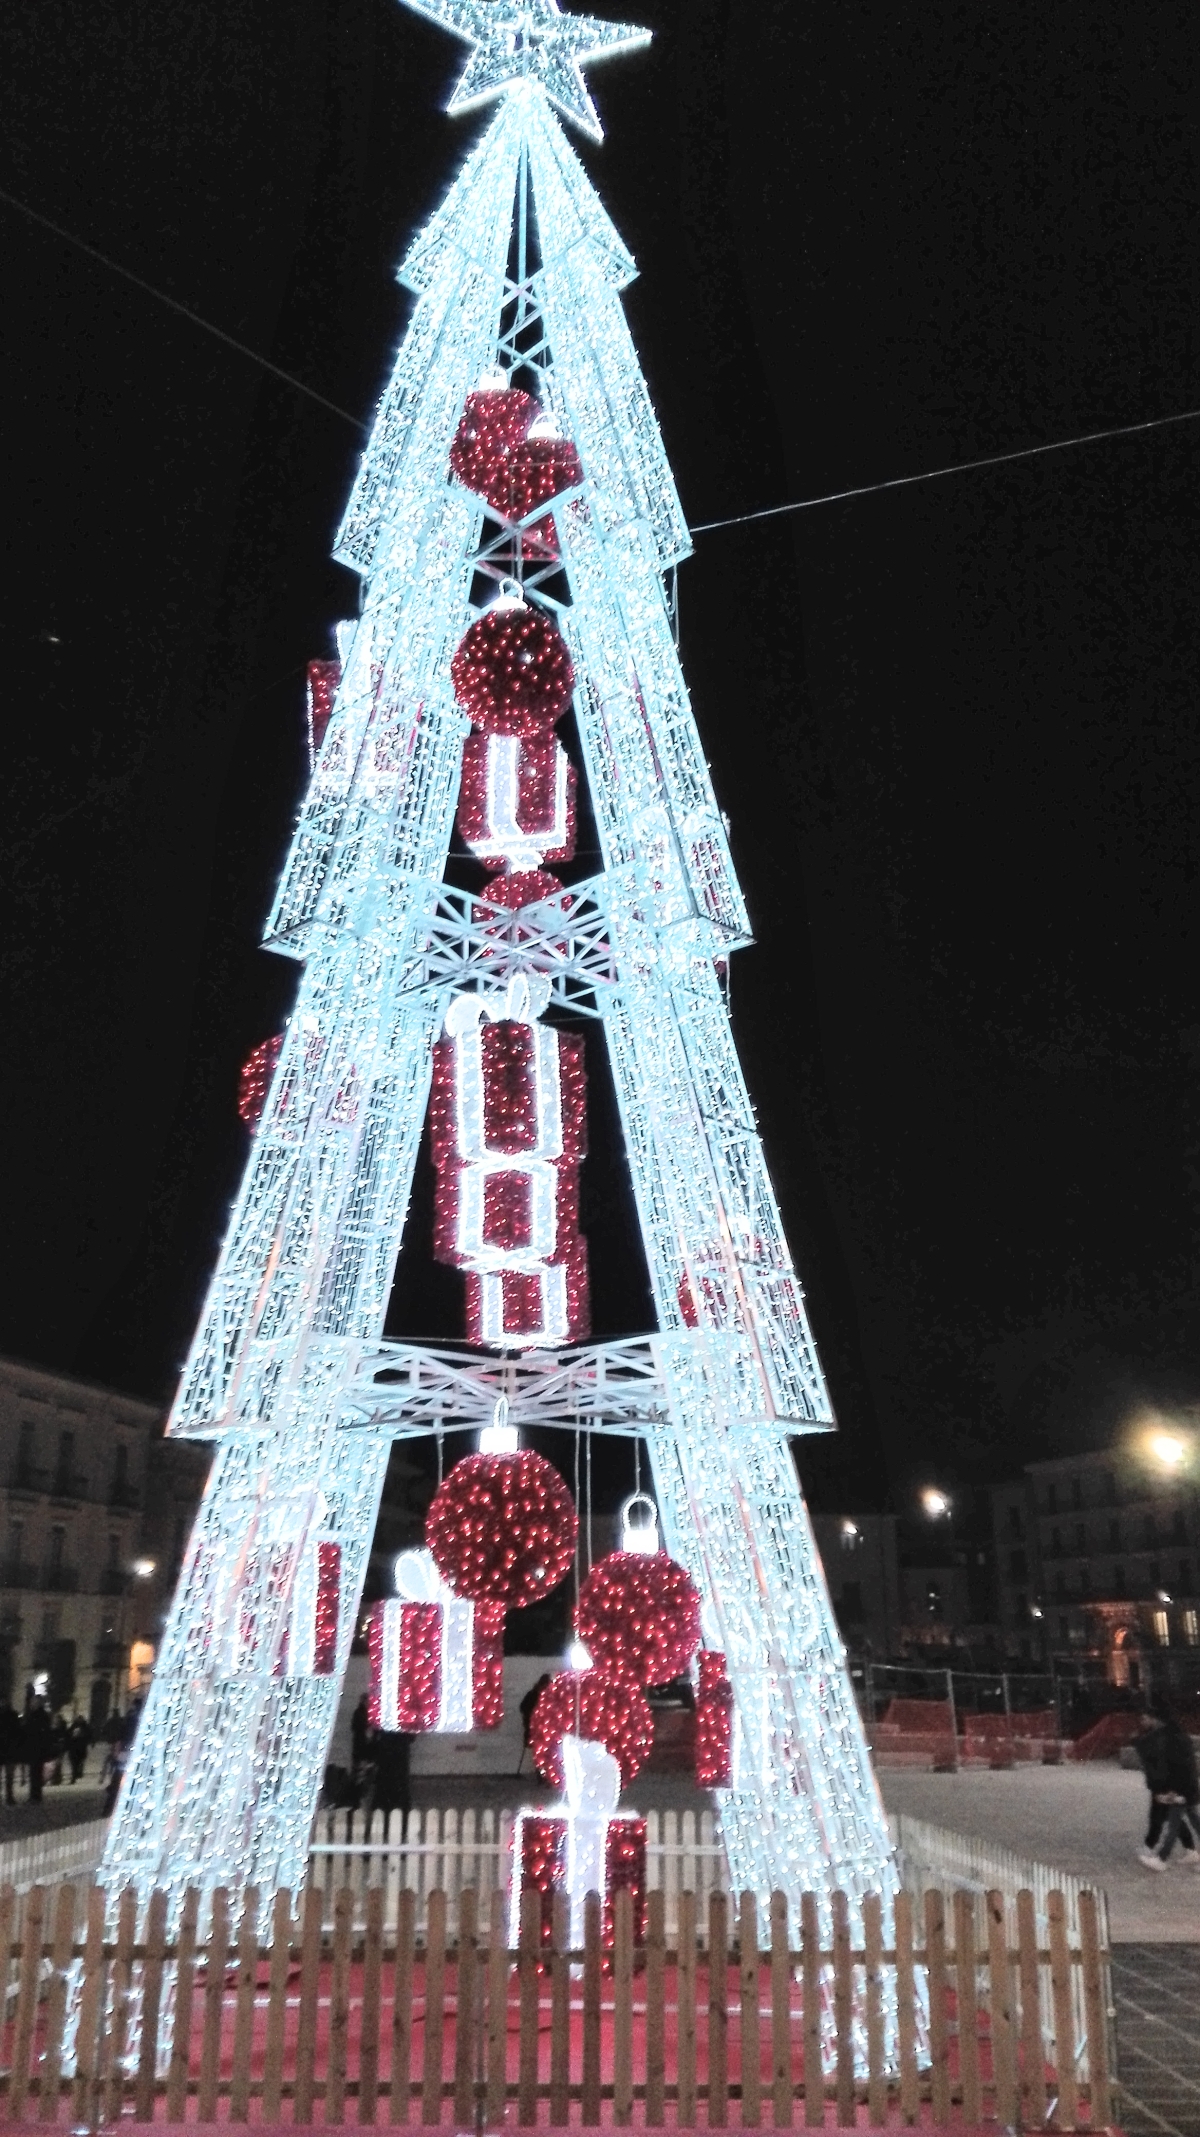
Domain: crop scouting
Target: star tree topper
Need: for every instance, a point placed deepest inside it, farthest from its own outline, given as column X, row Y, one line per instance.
column 530, row 41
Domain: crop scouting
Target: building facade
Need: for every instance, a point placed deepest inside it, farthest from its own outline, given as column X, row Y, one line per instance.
column 859, row 1555
column 95, row 1509
column 1097, row 1558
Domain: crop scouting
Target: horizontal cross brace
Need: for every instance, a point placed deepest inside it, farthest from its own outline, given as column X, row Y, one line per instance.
column 406, row 1389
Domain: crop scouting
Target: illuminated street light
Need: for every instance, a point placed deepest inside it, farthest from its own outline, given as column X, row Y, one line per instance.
column 143, row 1568
column 1168, row 1449
column 936, row 1503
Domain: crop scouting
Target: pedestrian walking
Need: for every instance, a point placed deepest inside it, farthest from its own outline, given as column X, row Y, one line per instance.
column 10, row 1747
column 37, row 1736
column 79, row 1743
column 1167, row 1757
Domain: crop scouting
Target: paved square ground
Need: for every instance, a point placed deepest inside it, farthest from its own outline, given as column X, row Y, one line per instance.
column 1156, row 1990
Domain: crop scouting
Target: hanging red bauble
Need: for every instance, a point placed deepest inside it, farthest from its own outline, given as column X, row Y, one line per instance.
column 526, row 886
column 714, row 1722
column 512, row 672
column 492, row 425
column 529, row 476
column 595, row 1703
column 502, row 1528
column 640, row 1614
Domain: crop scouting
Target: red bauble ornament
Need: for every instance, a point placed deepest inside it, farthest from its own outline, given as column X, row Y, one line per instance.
column 640, row 1614
column 492, row 425
column 605, row 1708
column 714, row 1722
column 502, row 1528
column 527, row 886
column 512, row 672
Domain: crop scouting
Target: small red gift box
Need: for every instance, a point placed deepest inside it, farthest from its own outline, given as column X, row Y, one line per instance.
column 437, row 1661
column 583, row 1845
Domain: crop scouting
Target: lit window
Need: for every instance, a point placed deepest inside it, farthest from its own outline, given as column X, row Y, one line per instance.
column 1191, row 1628
column 1162, row 1628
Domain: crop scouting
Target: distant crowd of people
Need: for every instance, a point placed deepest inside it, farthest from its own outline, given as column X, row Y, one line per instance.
column 40, row 1745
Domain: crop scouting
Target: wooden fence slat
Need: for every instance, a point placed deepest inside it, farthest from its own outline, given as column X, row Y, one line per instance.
column 528, row 1942
column 152, row 1982
column 465, row 1997
column 281, row 1959
column 781, row 2015
column 749, row 2045
column 497, row 2010
column 399, row 2076
column 1033, row 2059
column 339, row 2006
column 91, row 1997
column 435, row 2007
column 216, row 1960
column 906, row 2006
column 656, row 1996
column 120, row 1997
column 843, row 2009
column 1095, row 2004
column 966, row 1996
column 591, row 2010
column 243, row 2013
column 56, row 2002
column 877, row 2091
column 939, row 2015
column 310, row 1986
column 718, row 2010
column 1000, row 2014
column 1067, row 2113
column 27, row 1994
column 623, row 2007
column 810, row 1954
column 560, row 2011
column 685, row 1998
column 8, row 1909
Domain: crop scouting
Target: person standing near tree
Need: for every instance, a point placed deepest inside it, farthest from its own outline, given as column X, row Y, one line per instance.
column 79, row 1739
column 10, row 1747
column 37, row 1740
column 1167, row 1757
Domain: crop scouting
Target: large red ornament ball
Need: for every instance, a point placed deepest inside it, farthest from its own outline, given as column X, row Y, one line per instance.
column 502, row 1528
column 641, row 1614
column 595, row 1704
column 512, row 672
column 492, row 426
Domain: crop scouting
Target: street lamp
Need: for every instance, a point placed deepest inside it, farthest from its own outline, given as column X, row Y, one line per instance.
column 937, row 1504
column 1168, row 1449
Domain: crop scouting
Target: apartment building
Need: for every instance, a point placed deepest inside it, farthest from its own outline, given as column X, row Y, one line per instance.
column 94, row 1513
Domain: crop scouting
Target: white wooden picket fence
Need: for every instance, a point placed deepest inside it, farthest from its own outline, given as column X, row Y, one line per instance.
column 450, row 1851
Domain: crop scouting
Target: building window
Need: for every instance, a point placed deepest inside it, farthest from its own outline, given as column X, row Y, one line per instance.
column 1060, row 1587
column 1051, row 1498
column 1056, row 1549
column 1114, row 1535
column 1018, row 1565
column 852, row 1602
column 120, row 1482
column 1185, row 1576
column 1022, row 1606
column 851, row 1536
column 1077, row 1492
column 1016, row 1522
column 1064, row 1629
column 933, row 1599
column 1191, row 1628
column 15, row 1551
column 1118, row 1581
column 114, row 1554
column 1162, row 1628
column 1149, row 1532
column 54, row 1563
column 1179, row 1532
column 1085, row 1583
column 65, row 1465
column 1108, row 1486
column 1080, row 1537
column 26, row 1449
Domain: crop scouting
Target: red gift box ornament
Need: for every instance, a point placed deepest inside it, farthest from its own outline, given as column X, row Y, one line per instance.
column 714, row 1721
column 436, row 1658
column 581, row 1845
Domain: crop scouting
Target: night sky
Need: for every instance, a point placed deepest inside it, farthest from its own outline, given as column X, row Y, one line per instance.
column 954, row 726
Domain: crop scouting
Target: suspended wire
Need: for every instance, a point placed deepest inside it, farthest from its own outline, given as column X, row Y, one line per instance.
column 708, row 526
column 185, row 312
column 955, row 467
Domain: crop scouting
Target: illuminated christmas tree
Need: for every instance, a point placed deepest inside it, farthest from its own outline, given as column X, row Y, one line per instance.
column 512, row 521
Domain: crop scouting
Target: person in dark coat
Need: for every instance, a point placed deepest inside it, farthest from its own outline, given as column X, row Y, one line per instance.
column 79, row 1741
column 1167, row 1757
column 527, row 1706
column 37, row 1741
column 10, row 1747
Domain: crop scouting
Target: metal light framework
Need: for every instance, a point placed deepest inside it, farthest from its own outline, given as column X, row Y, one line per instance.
column 519, row 268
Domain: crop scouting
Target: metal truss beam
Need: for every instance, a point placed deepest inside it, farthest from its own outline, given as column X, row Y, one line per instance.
column 405, row 1389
